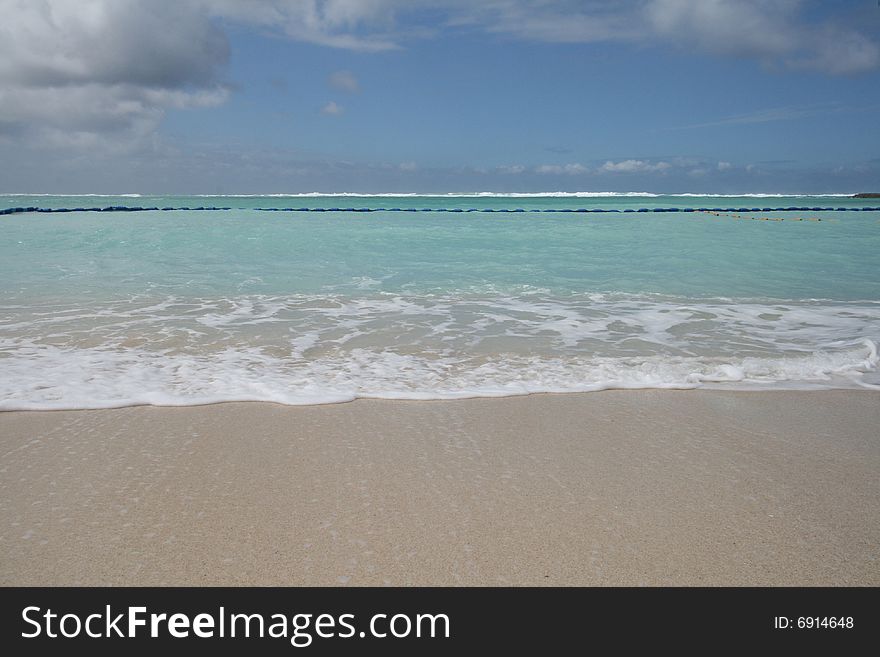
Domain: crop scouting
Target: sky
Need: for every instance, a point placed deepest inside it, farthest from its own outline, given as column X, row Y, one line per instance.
column 289, row 96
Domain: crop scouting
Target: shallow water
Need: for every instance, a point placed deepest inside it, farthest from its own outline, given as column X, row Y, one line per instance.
column 105, row 309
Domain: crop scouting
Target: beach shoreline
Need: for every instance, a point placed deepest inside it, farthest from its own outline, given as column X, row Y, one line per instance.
column 635, row 487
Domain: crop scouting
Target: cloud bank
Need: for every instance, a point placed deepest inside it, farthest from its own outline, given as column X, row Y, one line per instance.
column 92, row 72
column 88, row 77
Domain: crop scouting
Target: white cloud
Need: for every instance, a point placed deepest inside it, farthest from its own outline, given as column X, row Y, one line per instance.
column 773, row 32
column 345, row 81
column 567, row 169
column 101, row 73
column 408, row 166
column 558, row 22
column 634, row 166
column 332, row 109
column 724, row 166
column 512, row 169
column 364, row 25
column 737, row 27
column 94, row 116
column 159, row 44
column 840, row 52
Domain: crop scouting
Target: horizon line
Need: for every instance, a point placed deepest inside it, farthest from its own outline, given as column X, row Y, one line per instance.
column 487, row 194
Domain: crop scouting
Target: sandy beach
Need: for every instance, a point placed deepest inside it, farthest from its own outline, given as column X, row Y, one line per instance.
column 614, row 488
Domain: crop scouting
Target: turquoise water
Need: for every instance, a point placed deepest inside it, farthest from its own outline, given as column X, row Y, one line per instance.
column 181, row 307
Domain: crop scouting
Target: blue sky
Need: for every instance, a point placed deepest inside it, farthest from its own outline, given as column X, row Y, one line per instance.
column 380, row 95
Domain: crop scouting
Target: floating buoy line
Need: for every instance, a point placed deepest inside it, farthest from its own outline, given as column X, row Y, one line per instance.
column 719, row 212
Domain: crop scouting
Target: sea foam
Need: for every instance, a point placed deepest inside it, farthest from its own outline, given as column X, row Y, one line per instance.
column 312, row 349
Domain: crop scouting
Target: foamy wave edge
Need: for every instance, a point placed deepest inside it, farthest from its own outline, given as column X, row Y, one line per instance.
column 239, row 378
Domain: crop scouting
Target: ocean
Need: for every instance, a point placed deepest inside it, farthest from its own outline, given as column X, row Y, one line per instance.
column 307, row 299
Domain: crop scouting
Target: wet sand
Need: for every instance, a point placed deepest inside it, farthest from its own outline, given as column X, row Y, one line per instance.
column 613, row 488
